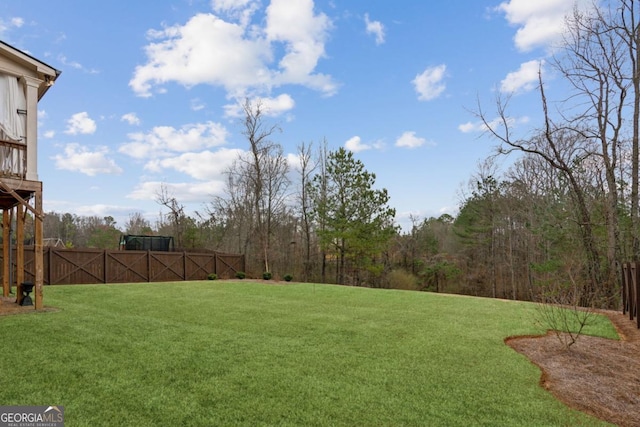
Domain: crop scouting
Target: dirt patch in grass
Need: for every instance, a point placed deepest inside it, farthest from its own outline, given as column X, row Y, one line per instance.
column 598, row 376
column 9, row 306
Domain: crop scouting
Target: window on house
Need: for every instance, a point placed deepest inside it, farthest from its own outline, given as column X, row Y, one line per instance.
column 13, row 108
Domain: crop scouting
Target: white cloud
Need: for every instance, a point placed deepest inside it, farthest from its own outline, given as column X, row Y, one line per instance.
column 77, row 158
column 130, row 118
column 523, row 80
column 205, row 165
column 540, row 23
column 101, row 210
column 229, row 6
column 410, row 140
column 163, row 141
column 303, row 33
column 272, row 107
column 238, row 56
column 374, row 27
column 293, row 160
column 186, row 191
column 278, row 105
column 429, row 84
column 15, row 22
column 240, row 10
column 204, row 50
column 356, row 145
column 75, row 64
column 496, row 123
column 196, row 104
column 49, row 134
column 80, row 123
column 471, row 127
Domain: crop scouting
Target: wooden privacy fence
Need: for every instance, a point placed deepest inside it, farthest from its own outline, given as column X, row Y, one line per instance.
column 86, row 266
column 631, row 290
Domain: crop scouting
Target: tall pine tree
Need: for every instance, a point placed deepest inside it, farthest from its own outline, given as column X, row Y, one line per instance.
column 357, row 223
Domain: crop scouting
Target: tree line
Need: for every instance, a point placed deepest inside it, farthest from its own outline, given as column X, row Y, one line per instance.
column 562, row 215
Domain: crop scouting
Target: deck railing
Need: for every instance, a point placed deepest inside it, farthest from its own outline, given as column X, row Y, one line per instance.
column 13, row 159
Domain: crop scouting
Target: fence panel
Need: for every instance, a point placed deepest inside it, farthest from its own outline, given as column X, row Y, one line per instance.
column 227, row 265
column 79, row 266
column 127, row 266
column 198, row 266
column 631, row 290
column 86, row 266
column 166, row 266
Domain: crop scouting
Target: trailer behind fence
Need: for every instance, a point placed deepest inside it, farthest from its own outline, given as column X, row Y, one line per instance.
column 89, row 266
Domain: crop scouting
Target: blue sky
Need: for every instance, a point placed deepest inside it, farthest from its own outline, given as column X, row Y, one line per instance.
column 149, row 91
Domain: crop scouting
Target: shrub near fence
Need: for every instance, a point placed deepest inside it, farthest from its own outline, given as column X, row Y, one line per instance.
column 84, row 266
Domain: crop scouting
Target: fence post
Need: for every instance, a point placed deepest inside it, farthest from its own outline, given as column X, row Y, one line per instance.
column 47, row 279
column 105, row 267
column 636, row 290
column 184, row 265
column 633, row 291
column 623, row 277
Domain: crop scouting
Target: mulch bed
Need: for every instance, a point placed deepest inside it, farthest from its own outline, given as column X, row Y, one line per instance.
column 595, row 375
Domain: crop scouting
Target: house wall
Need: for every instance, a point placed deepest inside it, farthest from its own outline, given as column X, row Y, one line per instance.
column 31, row 80
column 15, row 67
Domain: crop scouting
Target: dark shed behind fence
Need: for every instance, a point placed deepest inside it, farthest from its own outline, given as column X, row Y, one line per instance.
column 130, row 242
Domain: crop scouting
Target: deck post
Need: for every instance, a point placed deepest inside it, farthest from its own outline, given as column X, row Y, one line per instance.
column 19, row 251
column 6, row 248
column 38, row 258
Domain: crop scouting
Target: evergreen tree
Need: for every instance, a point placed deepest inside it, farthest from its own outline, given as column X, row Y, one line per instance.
column 357, row 222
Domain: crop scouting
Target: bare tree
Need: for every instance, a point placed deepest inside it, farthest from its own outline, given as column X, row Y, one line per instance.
column 137, row 224
column 600, row 60
column 176, row 214
column 234, row 210
column 307, row 168
column 265, row 169
column 318, row 195
column 627, row 27
column 596, row 64
column 562, row 148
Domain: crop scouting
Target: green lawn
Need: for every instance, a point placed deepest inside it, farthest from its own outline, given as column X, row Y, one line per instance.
column 220, row 353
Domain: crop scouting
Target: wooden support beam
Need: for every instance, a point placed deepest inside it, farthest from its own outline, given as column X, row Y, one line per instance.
column 6, row 249
column 19, row 251
column 22, row 201
column 38, row 259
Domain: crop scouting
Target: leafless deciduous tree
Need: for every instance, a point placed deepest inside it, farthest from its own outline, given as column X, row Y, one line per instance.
column 307, row 165
column 262, row 172
column 627, row 27
column 137, row 224
column 176, row 215
column 562, row 148
column 590, row 131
